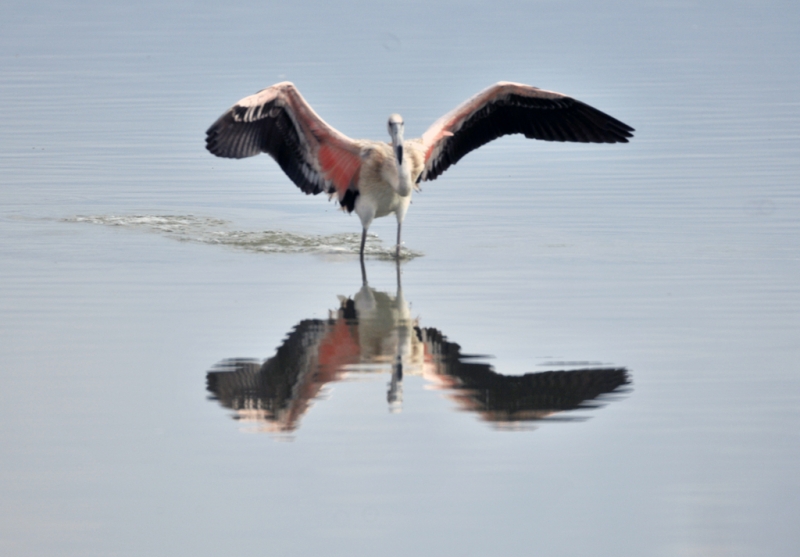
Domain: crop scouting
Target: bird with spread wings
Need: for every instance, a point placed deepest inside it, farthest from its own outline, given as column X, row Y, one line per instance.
column 375, row 179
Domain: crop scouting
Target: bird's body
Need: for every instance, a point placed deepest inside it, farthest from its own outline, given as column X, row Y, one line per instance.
column 379, row 180
column 375, row 179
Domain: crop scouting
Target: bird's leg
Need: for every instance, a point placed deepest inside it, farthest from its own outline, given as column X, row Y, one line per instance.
column 363, row 242
column 399, row 225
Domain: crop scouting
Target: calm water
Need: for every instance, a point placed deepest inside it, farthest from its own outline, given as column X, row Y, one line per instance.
column 599, row 343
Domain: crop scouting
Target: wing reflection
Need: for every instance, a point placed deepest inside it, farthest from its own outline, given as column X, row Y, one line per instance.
column 373, row 332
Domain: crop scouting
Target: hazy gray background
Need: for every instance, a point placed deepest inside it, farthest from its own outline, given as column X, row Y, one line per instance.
column 675, row 256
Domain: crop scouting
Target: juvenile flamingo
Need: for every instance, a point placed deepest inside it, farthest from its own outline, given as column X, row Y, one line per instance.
column 376, row 179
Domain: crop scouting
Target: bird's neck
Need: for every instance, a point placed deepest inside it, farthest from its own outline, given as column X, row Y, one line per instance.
column 404, row 184
column 397, row 149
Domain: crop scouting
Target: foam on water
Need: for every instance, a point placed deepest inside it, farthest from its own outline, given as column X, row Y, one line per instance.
column 209, row 230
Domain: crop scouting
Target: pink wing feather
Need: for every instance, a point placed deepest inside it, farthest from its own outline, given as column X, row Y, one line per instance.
column 279, row 121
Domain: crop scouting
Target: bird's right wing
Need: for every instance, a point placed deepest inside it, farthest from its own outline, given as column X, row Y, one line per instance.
column 508, row 108
column 279, row 121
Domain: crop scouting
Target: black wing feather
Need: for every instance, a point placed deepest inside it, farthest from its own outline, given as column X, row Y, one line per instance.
column 247, row 131
column 549, row 119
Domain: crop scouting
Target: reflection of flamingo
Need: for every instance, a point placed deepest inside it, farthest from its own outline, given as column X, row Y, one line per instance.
column 373, row 331
column 375, row 179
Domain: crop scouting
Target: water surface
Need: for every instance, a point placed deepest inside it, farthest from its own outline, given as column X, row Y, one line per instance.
column 133, row 263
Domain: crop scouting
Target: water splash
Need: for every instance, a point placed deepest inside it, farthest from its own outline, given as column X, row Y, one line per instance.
column 208, row 230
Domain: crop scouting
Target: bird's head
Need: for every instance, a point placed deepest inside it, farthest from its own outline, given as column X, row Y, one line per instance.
column 395, row 126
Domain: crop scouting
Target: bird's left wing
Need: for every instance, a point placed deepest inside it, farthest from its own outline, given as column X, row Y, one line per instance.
column 279, row 121
column 508, row 108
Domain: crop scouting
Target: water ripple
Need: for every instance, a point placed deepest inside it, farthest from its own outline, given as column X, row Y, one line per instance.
column 209, row 230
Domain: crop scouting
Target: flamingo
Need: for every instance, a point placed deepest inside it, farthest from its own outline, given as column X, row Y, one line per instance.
column 376, row 179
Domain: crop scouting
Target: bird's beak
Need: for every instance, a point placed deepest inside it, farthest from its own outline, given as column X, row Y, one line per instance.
column 398, row 151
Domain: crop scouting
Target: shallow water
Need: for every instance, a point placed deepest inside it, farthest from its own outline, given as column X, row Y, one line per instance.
column 135, row 266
